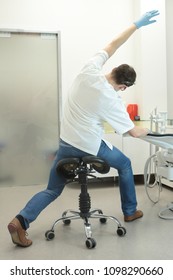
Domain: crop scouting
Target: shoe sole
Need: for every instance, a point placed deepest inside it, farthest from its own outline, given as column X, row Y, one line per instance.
column 14, row 235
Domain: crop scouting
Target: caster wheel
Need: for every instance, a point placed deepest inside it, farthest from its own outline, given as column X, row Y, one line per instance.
column 90, row 243
column 103, row 220
column 66, row 222
column 121, row 231
column 49, row 235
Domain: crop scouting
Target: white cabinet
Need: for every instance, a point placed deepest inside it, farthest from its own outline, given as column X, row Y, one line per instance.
column 138, row 151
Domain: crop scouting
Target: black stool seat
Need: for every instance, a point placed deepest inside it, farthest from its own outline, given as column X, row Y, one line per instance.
column 82, row 168
column 70, row 166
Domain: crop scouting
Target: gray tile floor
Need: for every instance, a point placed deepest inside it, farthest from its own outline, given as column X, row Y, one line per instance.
column 147, row 238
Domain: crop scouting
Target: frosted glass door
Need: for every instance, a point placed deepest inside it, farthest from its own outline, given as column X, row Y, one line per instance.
column 29, row 106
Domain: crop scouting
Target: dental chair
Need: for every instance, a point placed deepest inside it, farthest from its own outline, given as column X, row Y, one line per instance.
column 164, row 141
column 79, row 169
column 163, row 167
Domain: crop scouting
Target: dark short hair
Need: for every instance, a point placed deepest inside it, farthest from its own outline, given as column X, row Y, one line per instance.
column 124, row 74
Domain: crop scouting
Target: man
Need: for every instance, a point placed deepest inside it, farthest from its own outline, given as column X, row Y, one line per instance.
column 93, row 99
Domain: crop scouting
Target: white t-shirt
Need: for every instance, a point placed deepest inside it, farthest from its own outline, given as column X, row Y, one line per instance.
column 92, row 101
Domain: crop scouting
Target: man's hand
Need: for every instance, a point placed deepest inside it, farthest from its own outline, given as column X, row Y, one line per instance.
column 138, row 131
column 145, row 19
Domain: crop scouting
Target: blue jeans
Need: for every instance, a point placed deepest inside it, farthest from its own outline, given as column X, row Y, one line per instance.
column 56, row 183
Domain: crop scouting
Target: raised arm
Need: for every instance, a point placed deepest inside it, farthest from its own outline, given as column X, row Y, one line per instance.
column 126, row 34
column 120, row 40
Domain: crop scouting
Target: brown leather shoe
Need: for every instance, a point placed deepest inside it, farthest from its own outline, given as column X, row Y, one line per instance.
column 138, row 214
column 18, row 234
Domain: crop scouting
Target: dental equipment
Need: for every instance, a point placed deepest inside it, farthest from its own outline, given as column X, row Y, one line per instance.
column 163, row 165
column 158, row 121
column 162, row 158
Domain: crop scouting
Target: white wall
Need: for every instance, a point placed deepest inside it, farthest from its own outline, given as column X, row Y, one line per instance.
column 151, row 88
column 169, row 47
column 88, row 25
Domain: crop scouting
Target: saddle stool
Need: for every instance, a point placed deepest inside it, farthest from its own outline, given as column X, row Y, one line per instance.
column 82, row 168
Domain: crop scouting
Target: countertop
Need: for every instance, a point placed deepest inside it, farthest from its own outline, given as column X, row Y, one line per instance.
column 143, row 123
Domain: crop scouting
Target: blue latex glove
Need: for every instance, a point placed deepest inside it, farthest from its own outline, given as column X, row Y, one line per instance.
column 145, row 19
